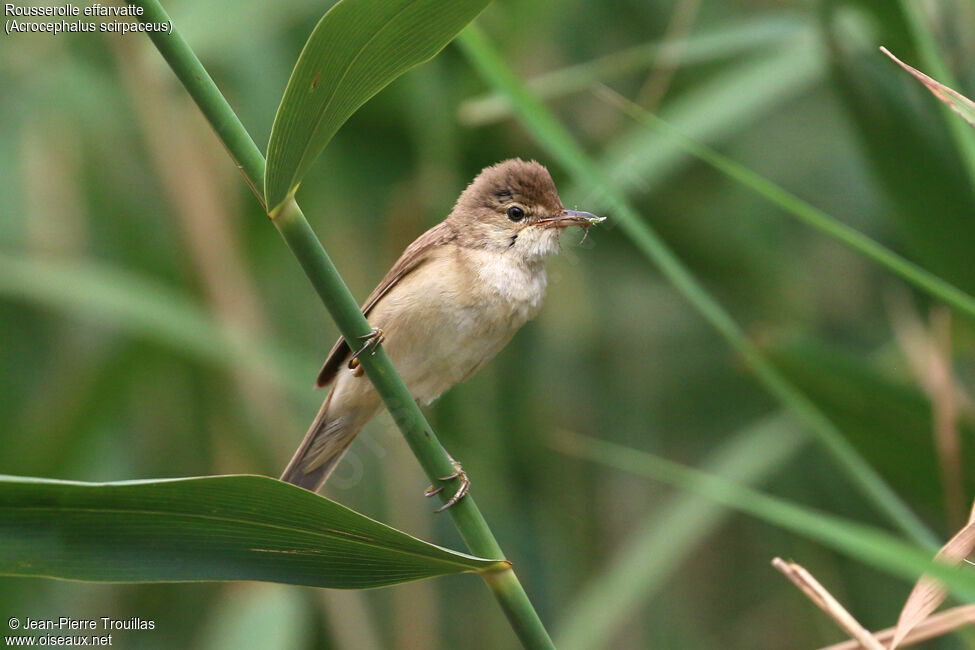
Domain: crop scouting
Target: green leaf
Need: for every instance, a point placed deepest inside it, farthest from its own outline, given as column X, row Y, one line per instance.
column 715, row 110
column 547, row 129
column 929, row 50
column 357, row 48
column 674, row 531
column 805, row 212
column 210, row 528
column 956, row 101
column 721, row 44
column 931, row 199
column 864, row 543
column 888, row 421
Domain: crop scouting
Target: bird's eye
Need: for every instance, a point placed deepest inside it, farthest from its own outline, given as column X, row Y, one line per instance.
column 515, row 213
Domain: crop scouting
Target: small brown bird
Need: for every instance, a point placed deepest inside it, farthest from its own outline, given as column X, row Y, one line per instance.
column 453, row 299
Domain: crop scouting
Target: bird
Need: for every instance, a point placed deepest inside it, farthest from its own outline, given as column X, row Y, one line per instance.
column 450, row 303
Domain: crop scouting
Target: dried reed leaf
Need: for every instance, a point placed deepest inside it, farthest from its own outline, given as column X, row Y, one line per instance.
column 927, row 593
column 928, row 349
column 931, row 628
column 825, row 601
column 958, row 102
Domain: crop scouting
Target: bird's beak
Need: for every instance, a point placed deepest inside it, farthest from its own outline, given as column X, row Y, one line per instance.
column 568, row 218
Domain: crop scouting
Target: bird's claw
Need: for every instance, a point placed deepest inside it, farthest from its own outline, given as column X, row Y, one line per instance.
column 462, row 489
column 372, row 341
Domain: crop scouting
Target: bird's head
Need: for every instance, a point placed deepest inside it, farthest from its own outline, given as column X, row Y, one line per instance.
column 513, row 207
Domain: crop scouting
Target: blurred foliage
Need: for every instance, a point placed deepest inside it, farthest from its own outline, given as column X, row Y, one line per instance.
column 158, row 327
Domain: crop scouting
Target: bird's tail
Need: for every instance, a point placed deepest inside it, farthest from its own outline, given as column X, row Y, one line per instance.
column 326, row 442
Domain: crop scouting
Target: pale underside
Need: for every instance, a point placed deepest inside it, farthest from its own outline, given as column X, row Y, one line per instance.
column 442, row 322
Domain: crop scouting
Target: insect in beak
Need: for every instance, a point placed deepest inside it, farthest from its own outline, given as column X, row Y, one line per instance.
column 568, row 218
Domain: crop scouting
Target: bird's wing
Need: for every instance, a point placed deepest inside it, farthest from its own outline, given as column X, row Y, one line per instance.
column 412, row 258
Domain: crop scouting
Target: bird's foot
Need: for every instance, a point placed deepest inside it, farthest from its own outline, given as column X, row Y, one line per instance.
column 462, row 489
column 372, row 341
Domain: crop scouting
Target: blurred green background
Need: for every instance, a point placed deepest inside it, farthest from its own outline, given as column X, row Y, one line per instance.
column 153, row 324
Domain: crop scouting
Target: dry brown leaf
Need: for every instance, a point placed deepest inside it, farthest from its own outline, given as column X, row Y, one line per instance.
column 933, row 626
column 958, row 102
column 818, row 594
column 928, row 593
column 928, row 350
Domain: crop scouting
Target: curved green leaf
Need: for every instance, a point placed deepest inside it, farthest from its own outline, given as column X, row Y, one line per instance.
column 210, row 528
column 357, row 48
column 867, row 544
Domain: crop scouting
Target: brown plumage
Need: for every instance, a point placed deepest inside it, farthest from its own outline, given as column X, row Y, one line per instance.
column 412, row 257
column 453, row 299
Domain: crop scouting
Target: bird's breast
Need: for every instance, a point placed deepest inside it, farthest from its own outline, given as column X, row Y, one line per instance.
column 515, row 286
column 454, row 314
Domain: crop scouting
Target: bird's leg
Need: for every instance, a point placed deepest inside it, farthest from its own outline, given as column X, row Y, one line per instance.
column 462, row 489
column 372, row 341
